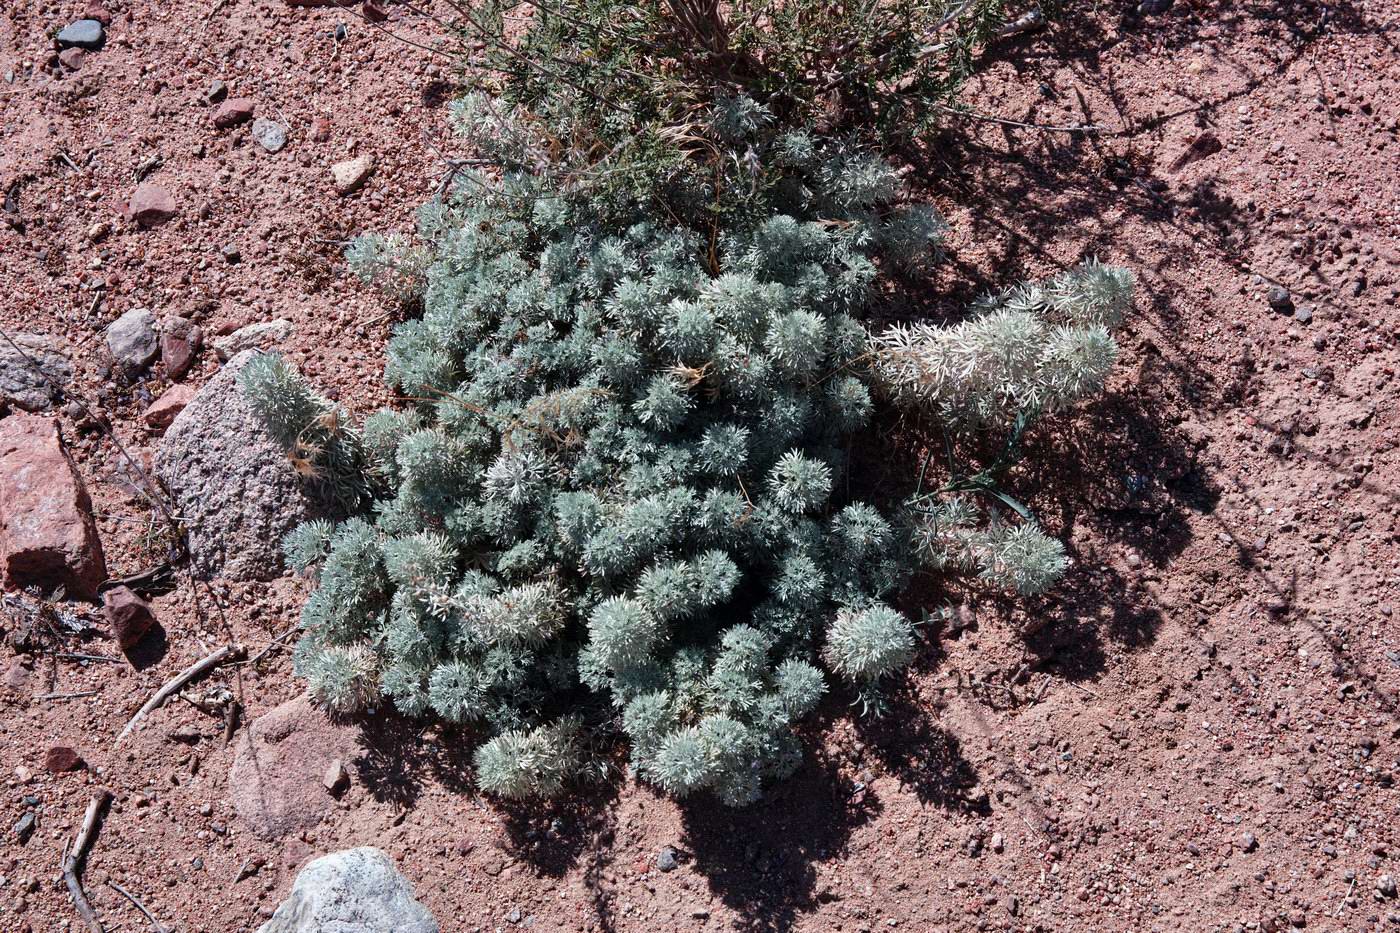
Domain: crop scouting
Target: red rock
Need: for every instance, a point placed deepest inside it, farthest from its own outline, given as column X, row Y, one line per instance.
column 164, row 409
column 275, row 782
column 150, row 204
column 16, row 676
column 129, row 616
column 98, row 12
column 47, row 535
column 180, row 342
column 233, row 111
column 322, row 2
column 320, row 129
column 61, row 758
column 375, row 12
column 72, row 59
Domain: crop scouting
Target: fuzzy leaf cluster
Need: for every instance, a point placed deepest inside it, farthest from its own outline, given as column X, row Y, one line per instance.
column 1028, row 351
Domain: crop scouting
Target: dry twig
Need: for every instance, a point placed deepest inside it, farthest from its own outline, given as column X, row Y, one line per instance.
column 274, row 644
column 73, row 861
column 1002, row 121
column 173, row 686
column 232, row 712
column 76, row 656
column 155, row 924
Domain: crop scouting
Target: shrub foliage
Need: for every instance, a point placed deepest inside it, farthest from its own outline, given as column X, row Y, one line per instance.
column 615, row 498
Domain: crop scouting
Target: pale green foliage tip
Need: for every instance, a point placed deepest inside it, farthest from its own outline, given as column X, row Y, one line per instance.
column 1028, row 351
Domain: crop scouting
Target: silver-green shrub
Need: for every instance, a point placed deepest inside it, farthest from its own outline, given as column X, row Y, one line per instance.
column 614, row 497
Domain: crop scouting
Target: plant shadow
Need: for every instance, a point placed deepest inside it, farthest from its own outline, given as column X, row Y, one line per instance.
column 398, row 757
column 761, row 861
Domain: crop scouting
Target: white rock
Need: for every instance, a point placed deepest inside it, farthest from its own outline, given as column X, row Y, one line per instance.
column 270, row 134
column 258, row 336
column 350, row 176
column 353, row 891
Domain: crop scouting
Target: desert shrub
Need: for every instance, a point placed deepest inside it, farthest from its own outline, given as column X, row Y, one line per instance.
column 615, row 499
column 626, row 92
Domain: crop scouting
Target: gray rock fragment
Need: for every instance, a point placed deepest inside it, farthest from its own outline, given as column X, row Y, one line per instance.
column 132, row 340
column 232, row 486
column 260, row 336
column 82, row 34
column 33, row 372
column 353, row 891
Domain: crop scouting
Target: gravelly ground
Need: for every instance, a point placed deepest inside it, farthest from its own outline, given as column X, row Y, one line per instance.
column 1200, row 729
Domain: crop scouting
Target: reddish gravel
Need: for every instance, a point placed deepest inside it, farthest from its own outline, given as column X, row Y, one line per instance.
column 1199, row 730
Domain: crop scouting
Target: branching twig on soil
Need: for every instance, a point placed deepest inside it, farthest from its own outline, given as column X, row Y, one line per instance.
column 347, row 6
column 73, row 861
column 155, row 924
column 172, row 686
column 1002, row 121
column 273, row 645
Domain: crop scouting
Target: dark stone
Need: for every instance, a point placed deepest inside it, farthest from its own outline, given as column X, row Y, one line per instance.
column 33, row 372
column 129, row 616
column 1280, row 299
column 82, row 34
column 62, row 758
column 180, row 342
column 666, row 859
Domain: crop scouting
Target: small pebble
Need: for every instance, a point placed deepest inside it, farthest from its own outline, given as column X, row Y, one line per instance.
column 666, row 859
column 82, row 34
column 24, row 828
column 269, row 134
